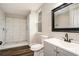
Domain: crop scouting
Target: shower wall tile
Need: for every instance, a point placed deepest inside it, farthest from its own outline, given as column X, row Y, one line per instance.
column 16, row 29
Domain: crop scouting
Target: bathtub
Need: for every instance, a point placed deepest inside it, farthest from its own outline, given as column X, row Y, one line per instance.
column 13, row 44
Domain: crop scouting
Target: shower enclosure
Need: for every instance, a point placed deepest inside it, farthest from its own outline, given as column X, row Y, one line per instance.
column 13, row 31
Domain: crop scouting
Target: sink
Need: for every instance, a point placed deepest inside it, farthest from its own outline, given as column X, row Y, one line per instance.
column 60, row 42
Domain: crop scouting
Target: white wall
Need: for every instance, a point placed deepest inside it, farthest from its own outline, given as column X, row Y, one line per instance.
column 2, row 25
column 32, row 25
column 46, row 17
column 46, row 23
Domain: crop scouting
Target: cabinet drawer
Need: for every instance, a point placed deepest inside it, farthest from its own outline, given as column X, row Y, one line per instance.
column 62, row 52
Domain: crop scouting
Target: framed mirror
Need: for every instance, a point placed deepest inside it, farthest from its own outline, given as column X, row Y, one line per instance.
column 66, row 18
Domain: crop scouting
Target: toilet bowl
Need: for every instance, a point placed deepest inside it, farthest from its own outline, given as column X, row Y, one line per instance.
column 38, row 48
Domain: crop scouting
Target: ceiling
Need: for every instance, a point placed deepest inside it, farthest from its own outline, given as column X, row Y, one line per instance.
column 19, row 9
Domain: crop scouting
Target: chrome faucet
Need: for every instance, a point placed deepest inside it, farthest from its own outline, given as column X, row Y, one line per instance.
column 66, row 38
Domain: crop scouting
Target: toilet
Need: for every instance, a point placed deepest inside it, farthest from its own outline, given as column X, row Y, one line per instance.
column 37, row 47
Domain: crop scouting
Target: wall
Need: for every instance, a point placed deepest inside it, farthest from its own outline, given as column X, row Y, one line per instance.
column 46, row 17
column 46, row 23
column 2, row 25
column 33, row 18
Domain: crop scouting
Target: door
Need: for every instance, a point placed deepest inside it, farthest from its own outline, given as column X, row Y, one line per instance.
column 16, row 29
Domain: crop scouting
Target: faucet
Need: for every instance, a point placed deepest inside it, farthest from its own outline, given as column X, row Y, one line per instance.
column 66, row 38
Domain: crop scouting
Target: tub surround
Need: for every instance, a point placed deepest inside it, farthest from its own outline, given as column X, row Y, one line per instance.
column 13, row 44
column 70, row 47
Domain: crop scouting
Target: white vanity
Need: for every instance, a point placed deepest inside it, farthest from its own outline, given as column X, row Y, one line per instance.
column 58, row 47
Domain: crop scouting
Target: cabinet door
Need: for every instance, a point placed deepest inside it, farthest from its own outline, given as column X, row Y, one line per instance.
column 49, row 49
column 62, row 52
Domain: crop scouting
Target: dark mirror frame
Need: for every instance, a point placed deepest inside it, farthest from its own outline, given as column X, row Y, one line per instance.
column 53, row 20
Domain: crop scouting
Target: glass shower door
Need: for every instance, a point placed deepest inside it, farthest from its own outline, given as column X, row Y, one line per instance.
column 2, row 29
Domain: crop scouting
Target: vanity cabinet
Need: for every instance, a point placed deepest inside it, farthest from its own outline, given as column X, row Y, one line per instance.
column 52, row 50
column 49, row 50
column 62, row 52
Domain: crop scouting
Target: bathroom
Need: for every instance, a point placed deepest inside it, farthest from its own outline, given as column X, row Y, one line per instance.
column 25, row 26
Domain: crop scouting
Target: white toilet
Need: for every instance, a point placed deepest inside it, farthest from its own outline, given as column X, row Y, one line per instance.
column 38, row 45
column 38, row 49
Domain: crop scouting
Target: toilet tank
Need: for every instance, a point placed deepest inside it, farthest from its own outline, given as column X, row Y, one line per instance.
column 38, row 38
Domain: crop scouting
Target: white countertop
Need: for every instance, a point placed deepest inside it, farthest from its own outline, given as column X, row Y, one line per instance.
column 71, row 47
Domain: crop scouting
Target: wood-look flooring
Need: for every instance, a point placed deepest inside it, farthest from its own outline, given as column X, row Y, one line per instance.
column 17, row 51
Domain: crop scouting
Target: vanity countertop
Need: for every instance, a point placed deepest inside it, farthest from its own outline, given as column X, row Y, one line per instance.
column 71, row 47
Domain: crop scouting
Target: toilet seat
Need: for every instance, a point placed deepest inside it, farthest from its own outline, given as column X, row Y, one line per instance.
column 36, row 47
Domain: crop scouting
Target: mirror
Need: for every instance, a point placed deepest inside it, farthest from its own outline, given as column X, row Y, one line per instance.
column 66, row 17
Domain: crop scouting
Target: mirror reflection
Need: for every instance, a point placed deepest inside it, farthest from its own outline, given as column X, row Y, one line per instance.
column 67, row 17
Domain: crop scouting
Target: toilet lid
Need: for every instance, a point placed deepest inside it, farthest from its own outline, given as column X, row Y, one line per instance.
column 36, row 47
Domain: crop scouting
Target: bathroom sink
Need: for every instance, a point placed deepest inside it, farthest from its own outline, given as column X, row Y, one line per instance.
column 60, row 42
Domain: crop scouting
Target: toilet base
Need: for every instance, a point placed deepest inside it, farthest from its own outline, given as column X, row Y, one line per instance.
column 39, row 53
